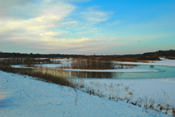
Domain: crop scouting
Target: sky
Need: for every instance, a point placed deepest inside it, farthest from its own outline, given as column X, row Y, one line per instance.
column 87, row 26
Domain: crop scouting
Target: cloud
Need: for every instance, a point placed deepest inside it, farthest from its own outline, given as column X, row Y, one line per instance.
column 49, row 41
column 36, row 30
column 41, row 25
column 18, row 9
column 59, row 8
column 52, row 1
column 11, row 3
column 117, row 22
column 50, row 18
column 26, row 9
column 95, row 16
column 82, row 45
column 51, row 34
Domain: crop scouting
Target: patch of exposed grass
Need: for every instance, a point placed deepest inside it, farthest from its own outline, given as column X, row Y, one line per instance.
column 130, row 93
column 40, row 76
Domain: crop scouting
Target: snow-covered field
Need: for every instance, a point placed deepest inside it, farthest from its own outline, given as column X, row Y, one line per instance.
column 21, row 96
column 163, row 62
column 25, row 97
column 157, row 91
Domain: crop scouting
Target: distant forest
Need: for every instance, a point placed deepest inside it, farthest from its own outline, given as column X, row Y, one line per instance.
column 31, row 55
column 145, row 56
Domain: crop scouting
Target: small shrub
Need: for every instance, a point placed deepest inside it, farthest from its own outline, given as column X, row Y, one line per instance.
column 173, row 111
column 130, row 93
column 126, row 89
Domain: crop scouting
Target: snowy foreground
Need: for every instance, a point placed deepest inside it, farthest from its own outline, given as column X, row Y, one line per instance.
column 23, row 96
column 148, row 91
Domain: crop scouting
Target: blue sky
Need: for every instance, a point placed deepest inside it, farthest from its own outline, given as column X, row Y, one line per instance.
column 87, row 26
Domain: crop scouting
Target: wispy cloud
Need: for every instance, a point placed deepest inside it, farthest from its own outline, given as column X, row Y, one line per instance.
column 95, row 16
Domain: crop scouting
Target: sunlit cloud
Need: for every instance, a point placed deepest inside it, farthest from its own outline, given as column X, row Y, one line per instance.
column 48, row 19
column 51, row 34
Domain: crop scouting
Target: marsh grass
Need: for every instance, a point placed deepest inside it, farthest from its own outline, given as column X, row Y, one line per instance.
column 40, row 75
column 92, row 63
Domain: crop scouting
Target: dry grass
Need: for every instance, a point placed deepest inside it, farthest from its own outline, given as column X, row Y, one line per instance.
column 130, row 93
column 92, row 64
column 144, row 102
column 126, row 88
column 40, row 76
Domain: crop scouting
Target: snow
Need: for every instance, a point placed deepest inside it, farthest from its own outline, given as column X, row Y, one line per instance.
column 162, row 62
column 25, row 96
column 159, row 89
column 20, row 66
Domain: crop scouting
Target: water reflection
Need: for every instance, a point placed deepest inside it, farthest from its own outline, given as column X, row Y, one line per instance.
column 72, row 74
column 102, row 74
column 96, row 74
column 169, row 72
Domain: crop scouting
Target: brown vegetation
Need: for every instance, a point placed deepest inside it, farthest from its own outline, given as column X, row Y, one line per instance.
column 44, row 76
column 141, row 102
column 92, row 63
column 26, row 61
